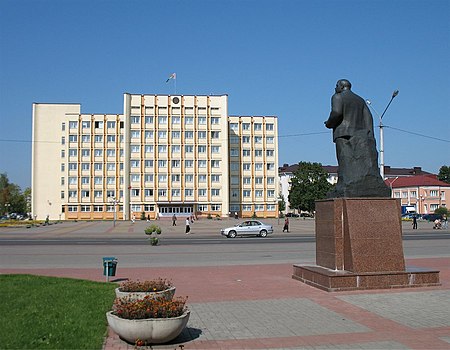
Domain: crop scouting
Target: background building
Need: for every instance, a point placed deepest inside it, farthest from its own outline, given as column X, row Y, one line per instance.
column 164, row 155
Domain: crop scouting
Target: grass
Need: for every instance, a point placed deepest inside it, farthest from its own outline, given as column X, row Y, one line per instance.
column 38, row 312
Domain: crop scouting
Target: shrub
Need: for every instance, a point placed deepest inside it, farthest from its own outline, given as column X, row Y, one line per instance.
column 149, row 308
column 153, row 228
column 156, row 285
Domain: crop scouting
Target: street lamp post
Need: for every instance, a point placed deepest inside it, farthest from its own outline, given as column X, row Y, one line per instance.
column 381, row 126
column 114, row 202
column 7, row 205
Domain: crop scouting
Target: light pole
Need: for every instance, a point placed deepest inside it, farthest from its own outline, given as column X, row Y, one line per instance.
column 7, row 205
column 114, row 202
column 381, row 126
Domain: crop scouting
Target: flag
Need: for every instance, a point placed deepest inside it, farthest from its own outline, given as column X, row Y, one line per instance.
column 172, row 76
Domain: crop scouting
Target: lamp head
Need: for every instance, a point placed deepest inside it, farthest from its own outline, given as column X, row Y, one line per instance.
column 395, row 93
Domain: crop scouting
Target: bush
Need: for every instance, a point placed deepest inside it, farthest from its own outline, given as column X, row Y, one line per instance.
column 153, row 228
column 149, row 308
column 156, row 285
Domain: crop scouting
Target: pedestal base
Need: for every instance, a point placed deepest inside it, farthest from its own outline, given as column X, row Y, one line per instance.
column 341, row 280
column 359, row 246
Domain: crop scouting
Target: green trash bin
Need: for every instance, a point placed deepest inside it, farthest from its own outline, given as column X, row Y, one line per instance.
column 109, row 266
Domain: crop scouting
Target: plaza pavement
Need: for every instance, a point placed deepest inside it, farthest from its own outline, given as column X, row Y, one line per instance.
column 260, row 306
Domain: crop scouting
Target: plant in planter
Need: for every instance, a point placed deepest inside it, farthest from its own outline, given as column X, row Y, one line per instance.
column 153, row 229
column 139, row 289
column 148, row 320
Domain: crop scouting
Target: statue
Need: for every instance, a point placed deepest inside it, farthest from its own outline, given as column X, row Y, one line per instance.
column 352, row 124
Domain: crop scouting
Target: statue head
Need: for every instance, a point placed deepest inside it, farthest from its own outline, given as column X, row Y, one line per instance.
column 343, row 84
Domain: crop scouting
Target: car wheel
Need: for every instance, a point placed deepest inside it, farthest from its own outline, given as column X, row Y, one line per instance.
column 232, row 234
column 263, row 233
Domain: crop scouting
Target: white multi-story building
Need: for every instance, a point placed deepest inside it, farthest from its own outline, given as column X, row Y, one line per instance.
column 164, row 155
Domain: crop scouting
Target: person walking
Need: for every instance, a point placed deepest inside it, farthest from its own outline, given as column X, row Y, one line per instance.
column 414, row 224
column 174, row 220
column 286, row 225
column 188, row 226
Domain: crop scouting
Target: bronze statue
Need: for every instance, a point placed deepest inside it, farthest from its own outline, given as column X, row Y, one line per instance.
column 352, row 124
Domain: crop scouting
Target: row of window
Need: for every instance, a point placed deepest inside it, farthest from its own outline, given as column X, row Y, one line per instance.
column 413, row 194
column 138, row 208
column 256, row 126
column 188, row 192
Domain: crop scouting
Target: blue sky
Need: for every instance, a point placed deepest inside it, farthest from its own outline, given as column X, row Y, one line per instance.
column 278, row 58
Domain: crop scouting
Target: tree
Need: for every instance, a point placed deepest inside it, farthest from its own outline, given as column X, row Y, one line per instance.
column 308, row 184
column 281, row 203
column 442, row 211
column 11, row 194
column 444, row 174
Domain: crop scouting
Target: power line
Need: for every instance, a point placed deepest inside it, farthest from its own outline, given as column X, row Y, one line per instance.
column 417, row 134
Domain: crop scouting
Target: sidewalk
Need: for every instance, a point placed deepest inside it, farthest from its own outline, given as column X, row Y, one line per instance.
column 262, row 307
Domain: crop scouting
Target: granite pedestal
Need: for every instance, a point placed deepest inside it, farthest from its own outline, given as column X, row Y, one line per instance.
column 359, row 246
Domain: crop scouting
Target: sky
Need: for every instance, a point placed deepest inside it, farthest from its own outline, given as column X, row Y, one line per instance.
column 279, row 58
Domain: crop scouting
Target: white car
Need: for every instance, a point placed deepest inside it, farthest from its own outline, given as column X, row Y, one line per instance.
column 249, row 227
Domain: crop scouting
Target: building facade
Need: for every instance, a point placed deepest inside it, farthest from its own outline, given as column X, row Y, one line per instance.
column 164, row 155
column 421, row 194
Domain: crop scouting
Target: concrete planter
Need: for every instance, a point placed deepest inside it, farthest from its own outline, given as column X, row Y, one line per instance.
column 167, row 294
column 150, row 330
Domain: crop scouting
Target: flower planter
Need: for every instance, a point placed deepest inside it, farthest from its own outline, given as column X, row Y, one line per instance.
column 150, row 330
column 167, row 294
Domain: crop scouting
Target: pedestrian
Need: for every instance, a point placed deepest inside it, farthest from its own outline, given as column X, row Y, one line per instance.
column 286, row 225
column 235, row 215
column 414, row 224
column 133, row 218
column 148, row 217
column 188, row 226
column 174, row 220
column 445, row 222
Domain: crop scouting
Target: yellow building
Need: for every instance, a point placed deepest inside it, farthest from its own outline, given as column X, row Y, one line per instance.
column 164, row 155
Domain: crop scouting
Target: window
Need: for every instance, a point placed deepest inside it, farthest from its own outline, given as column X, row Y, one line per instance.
column 73, row 180
column 73, row 125
column 271, row 193
column 215, row 163
column 175, row 192
column 215, row 178
column 202, row 163
column 148, row 148
column 234, row 180
column 134, row 163
column 258, row 193
column 63, row 140
column 135, row 120
column 85, row 138
column 85, row 152
column 135, row 134
column 111, row 166
column 98, row 166
column 270, row 180
column 245, row 139
column 63, row 153
column 270, row 166
column 234, row 126
column 98, row 138
column 189, row 134
column 258, row 166
column 215, row 149
column 85, row 208
column 72, row 152
column 246, row 180
column 201, row 149
column 98, row 194
column 258, row 139
column 148, row 163
column 189, row 178
column 215, row 120
column 176, row 134
column 201, row 178
column 188, row 120
column 176, row 148
column 148, row 134
column 259, row 207
column 162, row 193
column 162, row 149
column 433, row 193
column 176, row 178
column 111, row 138
column 246, row 152
column 85, row 194
column 188, row 163
column 176, row 120
column 110, row 180
column 73, row 166
column 202, row 207
column 269, row 152
column 201, row 120
column 98, row 180
column 148, row 177
column 176, row 163
column 85, row 124
column 135, row 177
column 234, row 140
column 162, row 134
column 162, row 119
column 98, row 124
column 72, row 194
column 98, row 208
column 234, row 166
column 148, row 192
column 257, row 126
column 215, row 207
column 245, row 126
column 202, row 192
column 215, row 192
column 162, row 178
column 258, row 180
column 188, row 149
column 162, row 163
column 269, row 127
column 269, row 139
column 215, row 134
column 110, row 193
column 111, row 124
column 73, row 138
column 246, row 193
column 98, row 152
column 202, row 134
column 188, row 192
column 135, row 192
column 135, row 148
column 148, row 120
column 246, row 166
column 258, row 152
column 234, row 152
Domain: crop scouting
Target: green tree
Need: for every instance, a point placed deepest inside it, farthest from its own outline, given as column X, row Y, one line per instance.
column 444, row 174
column 281, row 203
column 11, row 194
column 442, row 211
column 308, row 184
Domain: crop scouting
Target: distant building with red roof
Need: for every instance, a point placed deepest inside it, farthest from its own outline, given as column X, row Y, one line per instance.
column 422, row 194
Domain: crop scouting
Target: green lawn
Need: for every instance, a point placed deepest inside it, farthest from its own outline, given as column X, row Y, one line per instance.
column 39, row 312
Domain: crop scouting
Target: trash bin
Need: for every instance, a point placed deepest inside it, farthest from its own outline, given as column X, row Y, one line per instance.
column 109, row 266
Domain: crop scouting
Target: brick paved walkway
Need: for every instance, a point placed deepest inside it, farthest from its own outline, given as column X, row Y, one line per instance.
column 262, row 307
